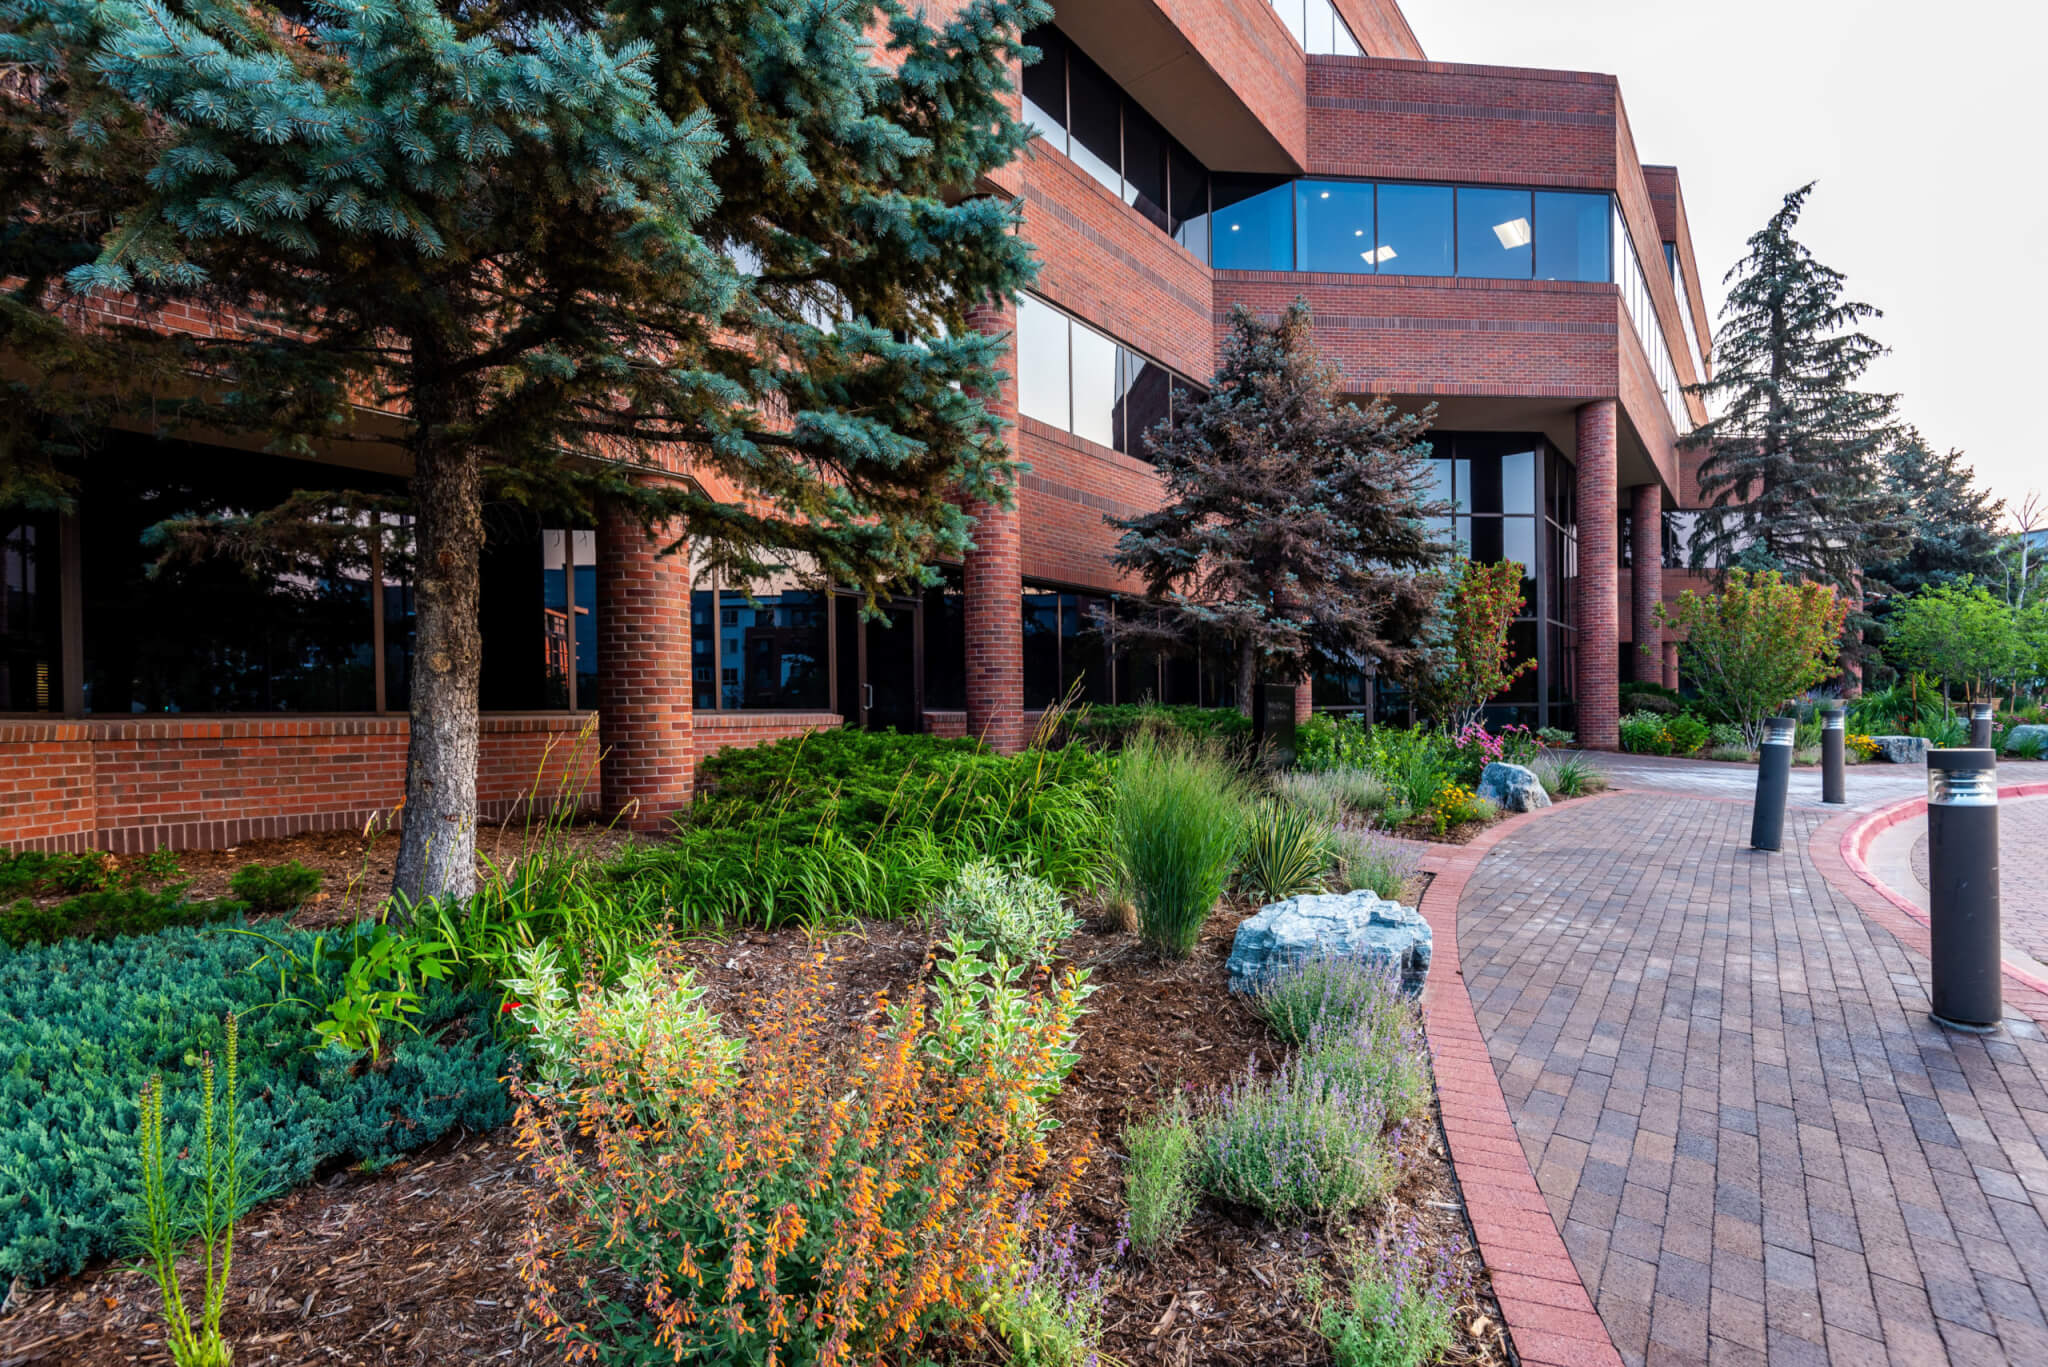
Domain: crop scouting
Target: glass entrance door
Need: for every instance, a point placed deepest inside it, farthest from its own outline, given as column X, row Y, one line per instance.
column 880, row 665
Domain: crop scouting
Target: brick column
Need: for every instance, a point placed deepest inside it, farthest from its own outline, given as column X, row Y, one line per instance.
column 1599, row 621
column 1646, row 578
column 994, row 582
column 643, row 675
column 1304, row 698
column 1671, row 664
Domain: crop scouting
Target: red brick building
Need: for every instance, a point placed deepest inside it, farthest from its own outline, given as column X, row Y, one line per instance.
column 1482, row 238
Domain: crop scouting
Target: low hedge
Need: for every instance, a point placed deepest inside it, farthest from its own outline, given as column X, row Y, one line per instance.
column 84, row 1025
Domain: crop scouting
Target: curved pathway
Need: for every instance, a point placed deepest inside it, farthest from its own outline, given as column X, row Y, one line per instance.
column 1752, row 1142
column 2022, row 872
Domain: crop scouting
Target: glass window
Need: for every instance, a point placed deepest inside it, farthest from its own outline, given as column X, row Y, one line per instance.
column 1293, row 13
column 1571, row 236
column 1253, row 223
column 1044, row 385
column 1189, row 192
column 1041, row 649
column 1518, row 482
column 1145, row 145
column 703, row 652
column 1333, row 226
column 1083, row 661
column 1415, row 230
column 569, row 622
column 1095, row 386
column 1494, row 233
column 945, row 642
column 772, row 651
column 1095, row 118
column 1142, row 402
column 29, row 640
column 1045, row 86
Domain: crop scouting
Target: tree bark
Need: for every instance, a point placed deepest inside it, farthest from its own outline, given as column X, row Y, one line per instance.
column 1247, row 662
column 437, row 851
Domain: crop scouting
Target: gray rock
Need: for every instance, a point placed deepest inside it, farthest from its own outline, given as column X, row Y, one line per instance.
column 1901, row 749
column 2019, row 735
column 1358, row 925
column 1512, row 788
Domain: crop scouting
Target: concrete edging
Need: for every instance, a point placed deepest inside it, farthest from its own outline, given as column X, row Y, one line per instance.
column 1550, row 1317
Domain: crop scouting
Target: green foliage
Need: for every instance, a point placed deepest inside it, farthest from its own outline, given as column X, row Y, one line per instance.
column 1294, row 530
column 1370, row 860
column 1643, row 696
column 1330, row 992
column 1019, row 914
column 1331, row 740
column 1952, row 526
column 1286, row 852
column 1643, row 733
column 170, row 1216
column 1484, row 600
column 1725, row 734
column 1569, row 776
column 1159, row 1176
column 1112, row 726
column 1757, row 644
column 1043, row 1308
column 1416, row 764
column 1397, row 1310
column 88, row 1024
column 109, row 913
column 33, row 871
column 1176, row 828
column 277, row 887
column 1336, row 795
column 1550, row 737
column 1968, row 637
column 986, row 1011
column 1687, row 733
column 1295, row 1143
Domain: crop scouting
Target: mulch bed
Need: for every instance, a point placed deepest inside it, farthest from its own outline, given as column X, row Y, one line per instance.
column 414, row 1263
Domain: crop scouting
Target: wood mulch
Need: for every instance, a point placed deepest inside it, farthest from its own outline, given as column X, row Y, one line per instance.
column 414, row 1263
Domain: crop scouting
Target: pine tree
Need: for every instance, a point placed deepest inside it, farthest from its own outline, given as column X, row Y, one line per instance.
column 1794, row 475
column 1952, row 528
column 1293, row 528
column 584, row 249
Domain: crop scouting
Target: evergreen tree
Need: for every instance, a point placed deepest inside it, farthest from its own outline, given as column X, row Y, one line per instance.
column 1951, row 526
column 711, row 260
column 1794, row 475
column 1294, row 524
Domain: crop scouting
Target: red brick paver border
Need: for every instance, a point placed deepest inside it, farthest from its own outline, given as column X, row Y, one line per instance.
column 1549, row 1315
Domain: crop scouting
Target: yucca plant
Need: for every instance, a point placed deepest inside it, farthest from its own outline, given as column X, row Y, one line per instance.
column 1287, row 852
column 1176, row 826
column 216, row 1202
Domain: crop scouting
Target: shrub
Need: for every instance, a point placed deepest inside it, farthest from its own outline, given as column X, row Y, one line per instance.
column 1159, row 1175
column 1643, row 733
column 109, row 913
column 1569, row 776
column 981, row 1010
column 1329, row 740
column 1378, row 1055
column 1294, row 1144
column 1337, row 794
column 2026, row 747
column 1019, row 914
column 1550, row 738
column 88, row 1024
column 1397, row 1310
column 1328, row 990
column 1686, row 734
column 280, row 887
column 1177, row 826
column 1043, row 1308
column 1640, row 695
column 824, row 1201
column 1371, row 859
column 1454, row 805
column 1286, row 852
column 1415, row 764
column 1733, row 754
column 1859, row 746
column 1726, row 733
column 1113, row 726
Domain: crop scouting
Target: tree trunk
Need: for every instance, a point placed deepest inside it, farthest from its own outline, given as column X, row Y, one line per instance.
column 437, row 853
column 1247, row 661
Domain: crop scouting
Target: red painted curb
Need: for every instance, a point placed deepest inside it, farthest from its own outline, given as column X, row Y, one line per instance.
column 1548, row 1313
column 1843, row 844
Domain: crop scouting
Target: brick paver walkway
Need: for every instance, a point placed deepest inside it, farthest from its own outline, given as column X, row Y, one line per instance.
column 2022, row 872
column 1754, row 1143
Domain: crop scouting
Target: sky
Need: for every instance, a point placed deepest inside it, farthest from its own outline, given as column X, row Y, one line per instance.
column 1923, row 126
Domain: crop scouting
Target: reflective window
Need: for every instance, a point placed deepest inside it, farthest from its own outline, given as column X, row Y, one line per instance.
column 1081, row 381
column 569, row 622
column 1041, row 648
column 1188, row 201
column 1318, row 27
column 1045, row 87
column 1640, row 302
column 1334, row 226
column 703, row 651
column 772, row 651
column 1495, row 230
column 1252, row 223
column 1571, row 236
column 1095, row 119
column 1415, row 230
column 1044, row 383
column 29, row 651
column 1692, row 337
column 1145, row 148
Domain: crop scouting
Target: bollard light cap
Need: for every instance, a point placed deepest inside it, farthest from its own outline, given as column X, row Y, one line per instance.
column 1965, row 758
column 1781, row 730
column 1980, row 709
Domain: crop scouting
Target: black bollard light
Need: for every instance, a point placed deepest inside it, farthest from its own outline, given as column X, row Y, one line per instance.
column 1980, row 725
column 1834, row 757
column 1962, row 885
column 1773, row 778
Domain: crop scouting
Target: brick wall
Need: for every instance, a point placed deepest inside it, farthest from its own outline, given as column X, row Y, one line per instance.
column 1599, row 679
column 643, row 651
column 993, row 585
column 1646, row 581
column 1071, row 486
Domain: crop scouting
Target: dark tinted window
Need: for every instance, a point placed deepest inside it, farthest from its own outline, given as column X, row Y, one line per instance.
column 945, row 643
column 1253, row 223
column 703, row 652
column 1334, row 226
column 1415, row 227
column 1189, row 214
column 1045, row 86
column 1145, row 146
column 1144, row 402
column 1095, row 118
column 1494, row 233
column 772, row 651
column 1571, row 236
column 29, row 642
column 1041, row 649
